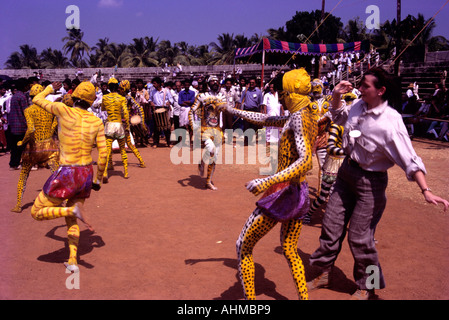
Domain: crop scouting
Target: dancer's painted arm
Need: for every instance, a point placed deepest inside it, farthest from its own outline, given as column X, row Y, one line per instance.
column 56, row 108
column 334, row 141
column 196, row 104
column 126, row 114
column 259, row 118
column 298, row 168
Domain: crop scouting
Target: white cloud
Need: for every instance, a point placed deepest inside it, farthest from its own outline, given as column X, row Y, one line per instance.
column 110, row 3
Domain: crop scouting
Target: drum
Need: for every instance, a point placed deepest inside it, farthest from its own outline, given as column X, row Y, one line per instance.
column 161, row 119
column 135, row 120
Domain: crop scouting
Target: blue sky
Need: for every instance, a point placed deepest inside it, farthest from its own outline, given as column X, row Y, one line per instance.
column 42, row 23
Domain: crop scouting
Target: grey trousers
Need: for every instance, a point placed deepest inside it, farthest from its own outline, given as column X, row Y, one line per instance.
column 355, row 207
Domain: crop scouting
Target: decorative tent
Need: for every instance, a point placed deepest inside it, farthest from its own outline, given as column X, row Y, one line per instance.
column 276, row 46
column 279, row 52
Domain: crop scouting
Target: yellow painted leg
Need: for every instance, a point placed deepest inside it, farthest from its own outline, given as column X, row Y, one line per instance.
column 135, row 151
column 210, row 172
column 121, row 143
column 290, row 231
column 257, row 226
column 21, row 186
column 73, row 234
column 109, row 158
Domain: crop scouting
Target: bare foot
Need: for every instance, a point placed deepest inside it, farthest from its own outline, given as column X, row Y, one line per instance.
column 77, row 212
column 16, row 209
column 211, row 186
column 72, row 267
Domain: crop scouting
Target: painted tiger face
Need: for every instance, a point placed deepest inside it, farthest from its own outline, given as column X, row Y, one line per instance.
column 211, row 116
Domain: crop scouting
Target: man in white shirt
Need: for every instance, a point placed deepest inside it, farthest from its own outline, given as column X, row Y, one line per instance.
column 160, row 98
column 271, row 101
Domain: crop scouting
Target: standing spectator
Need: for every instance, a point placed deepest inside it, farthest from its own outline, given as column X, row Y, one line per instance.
column 176, row 106
column 438, row 94
column 142, row 97
column 5, row 102
column 186, row 99
column 251, row 100
column 435, row 112
column 160, row 98
column 231, row 98
column 271, row 100
column 17, row 122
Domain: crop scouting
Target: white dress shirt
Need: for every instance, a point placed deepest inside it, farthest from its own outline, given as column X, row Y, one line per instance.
column 383, row 139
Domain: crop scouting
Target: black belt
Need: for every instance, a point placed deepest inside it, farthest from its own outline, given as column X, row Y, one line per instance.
column 355, row 164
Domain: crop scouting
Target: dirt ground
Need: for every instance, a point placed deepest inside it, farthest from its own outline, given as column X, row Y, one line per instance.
column 160, row 235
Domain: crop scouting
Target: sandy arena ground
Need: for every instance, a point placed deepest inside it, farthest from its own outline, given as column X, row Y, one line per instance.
column 160, row 235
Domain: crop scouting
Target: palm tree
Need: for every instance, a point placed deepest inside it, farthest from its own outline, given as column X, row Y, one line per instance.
column 142, row 53
column 77, row 48
column 277, row 34
column 223, row 52
column 117, row 54
column 53, row 59
column 27, row 58
column 199, row 55
column 355, row 30
column 99, row 53
column 172, row 55
column 14, row 61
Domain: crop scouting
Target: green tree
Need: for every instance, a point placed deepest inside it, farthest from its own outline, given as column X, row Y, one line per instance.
column 53, row 59
column 302, row 26
column 27, row 58
column 141, row 53
column 223, row 51
column 77, row 48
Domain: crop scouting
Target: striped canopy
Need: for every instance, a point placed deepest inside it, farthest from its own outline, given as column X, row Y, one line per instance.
column 276, row 46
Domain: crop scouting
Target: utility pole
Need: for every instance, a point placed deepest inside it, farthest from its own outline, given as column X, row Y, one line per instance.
column 398, row 38
column 318, row 63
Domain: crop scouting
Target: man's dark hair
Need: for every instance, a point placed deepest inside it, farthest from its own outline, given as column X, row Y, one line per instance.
column 33, row 79
column 81, row 103
column 113, row 87
column 157, row 80
column 21, row 84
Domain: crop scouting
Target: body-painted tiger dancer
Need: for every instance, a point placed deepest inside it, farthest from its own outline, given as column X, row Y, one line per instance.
column 116, row 107
column 334, row 159
column 208, row 108
column 134, row 109
column 40, row 147
column 78, row 132
column 286, row 192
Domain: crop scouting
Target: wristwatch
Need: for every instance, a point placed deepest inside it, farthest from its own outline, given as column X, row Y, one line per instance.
column 426, row 189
